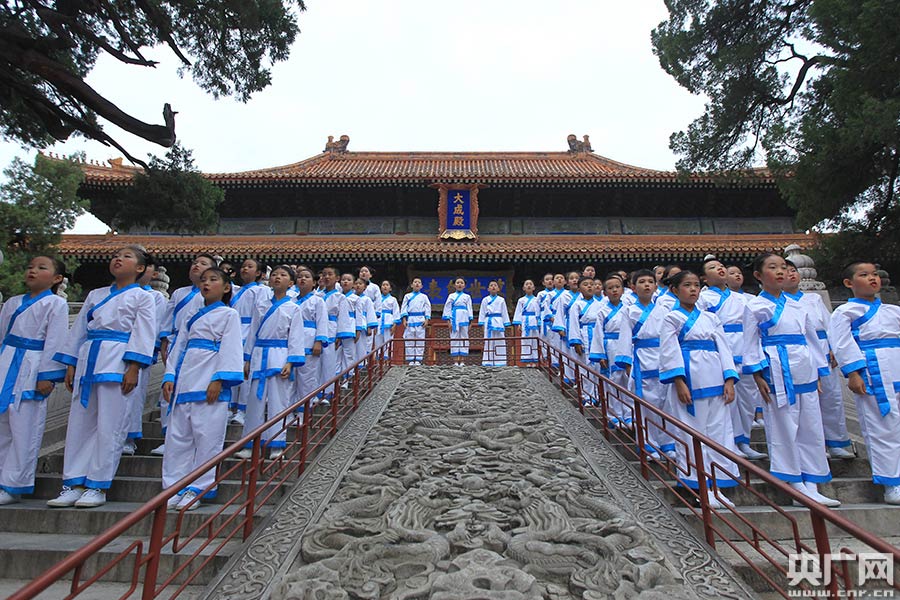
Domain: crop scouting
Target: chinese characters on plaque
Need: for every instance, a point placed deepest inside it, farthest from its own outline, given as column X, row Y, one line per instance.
column 458, row 211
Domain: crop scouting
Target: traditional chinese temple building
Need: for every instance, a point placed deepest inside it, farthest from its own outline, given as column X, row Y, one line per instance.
column 512, row 215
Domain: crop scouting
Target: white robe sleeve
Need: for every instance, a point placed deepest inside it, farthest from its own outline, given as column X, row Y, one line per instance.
column 229, row 358
column 818, row 358
column 671, row 362
column 57, row 317
column 68, row 355
column 255, row 320
column 620, row 350
column 517, row 315
column 573, row 332
column 321, row 322
column 597, row 352
column 481, row 316
column 427, row 309
column 296, row 347
column 469, row 307
column 847, row 353
column 448, row 305
column 346, row 326
column 754, row 359
column 404, row 308
column 139, row 348
column 559, row 317
column 174, row 355
column 726, row 357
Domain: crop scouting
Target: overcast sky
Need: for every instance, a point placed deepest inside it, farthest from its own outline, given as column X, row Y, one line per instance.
column 419, row 75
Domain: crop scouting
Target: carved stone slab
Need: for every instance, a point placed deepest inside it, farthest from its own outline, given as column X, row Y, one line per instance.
column 472, row 483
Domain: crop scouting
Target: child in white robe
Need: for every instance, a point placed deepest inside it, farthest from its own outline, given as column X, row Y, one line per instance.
column 583, row 315
column 561, row 325
column 730, row 307
column 831, row 396
column 274, row 348
column 340, row 328
column 347, row 350
column 366, row 320
column 527, row 320
column 606, row 332
column 458, row 310
column 111, row 340
column 782, row 351
column 315, row 334
column 183, row 303
column 865, row 337
column 493, row 316
column 373, row 292
column 247, row 301
column 206, row 363
column 542, row 297
column 34, row 328
column 695, row 362
column 637, row 351
column 390, row 315
column 415, row 312
column 136, row 421
column 548, row 311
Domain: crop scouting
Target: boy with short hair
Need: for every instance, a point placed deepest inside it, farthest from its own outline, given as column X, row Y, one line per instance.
column 865, row 338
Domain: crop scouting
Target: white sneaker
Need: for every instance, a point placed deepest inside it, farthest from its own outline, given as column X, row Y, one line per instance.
column 671, row 455
column 68, row 496
column 751, row 454
column 345, row 385
column 841, row 453
column 91, row 498
column 758, row 424
column 159, row 450
column 173, row 501
column 892, row 494
column 186, row 499
column 245, row 453
column 718, row 502
column 238, row 418
column 275, row 453
column 654, row 456
column 811, row 490
column 129, row 448
column 7, row 498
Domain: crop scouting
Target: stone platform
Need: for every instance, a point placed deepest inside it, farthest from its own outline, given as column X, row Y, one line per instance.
column 453, row 483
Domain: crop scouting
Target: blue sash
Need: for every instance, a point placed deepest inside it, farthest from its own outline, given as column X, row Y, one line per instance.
column 687, row 346
column 97, row 337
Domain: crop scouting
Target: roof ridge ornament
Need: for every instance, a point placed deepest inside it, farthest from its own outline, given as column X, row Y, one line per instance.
column 337, row 147
column 579, row 146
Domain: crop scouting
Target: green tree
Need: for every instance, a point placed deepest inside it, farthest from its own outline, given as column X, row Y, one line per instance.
column 37, row 204
column 171, row 195
column 808, row 85
column 48, row 48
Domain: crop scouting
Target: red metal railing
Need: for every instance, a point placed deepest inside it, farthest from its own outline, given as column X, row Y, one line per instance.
column 260, row 480
column 767, row 557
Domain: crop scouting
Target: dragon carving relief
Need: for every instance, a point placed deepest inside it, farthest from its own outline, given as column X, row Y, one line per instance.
column 466, row 490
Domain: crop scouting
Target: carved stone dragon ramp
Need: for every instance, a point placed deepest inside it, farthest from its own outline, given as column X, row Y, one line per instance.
column 474, row 483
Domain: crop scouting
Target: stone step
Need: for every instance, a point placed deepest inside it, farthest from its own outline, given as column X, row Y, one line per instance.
column 34, row 517
column 882, row 519
column 133, row 489
column 758, row 582
column 99, row 591
column 858, row 467
column 149, row 466
column 25, row 556
column 849, row 490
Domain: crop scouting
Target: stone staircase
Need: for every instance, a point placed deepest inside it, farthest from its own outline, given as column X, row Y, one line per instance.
column 34, row 537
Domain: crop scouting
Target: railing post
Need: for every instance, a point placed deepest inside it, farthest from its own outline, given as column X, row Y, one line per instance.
column 355, row 389
column 155, row 552
column 335, row 401
column 604, row 407
column 255, row 461
column 639, row 438
column 703, row 492
column 304, row 435
column 823, row 549
column 578, row 387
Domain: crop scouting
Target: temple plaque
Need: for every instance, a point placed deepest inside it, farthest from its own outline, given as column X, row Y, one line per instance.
column 458, row 211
